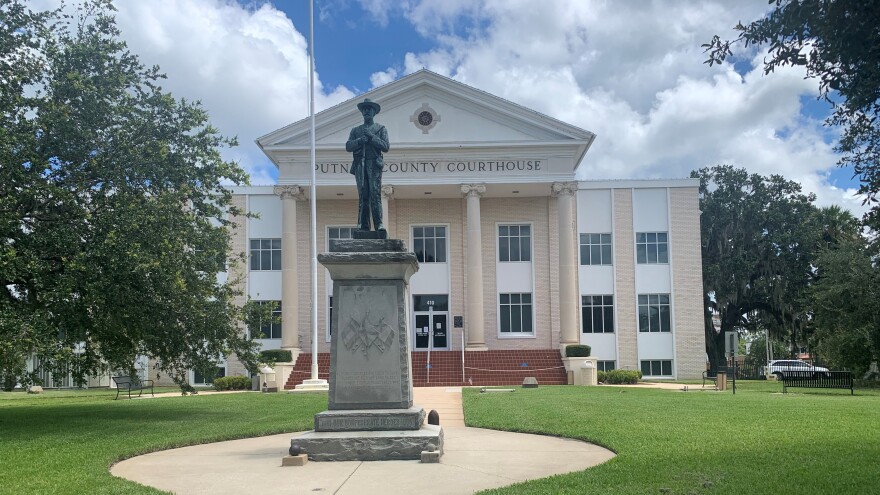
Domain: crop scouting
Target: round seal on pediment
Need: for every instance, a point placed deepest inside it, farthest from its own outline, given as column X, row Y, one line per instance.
column 425, row 118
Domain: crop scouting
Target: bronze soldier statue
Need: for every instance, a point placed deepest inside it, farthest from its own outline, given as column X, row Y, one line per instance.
column 367, row 142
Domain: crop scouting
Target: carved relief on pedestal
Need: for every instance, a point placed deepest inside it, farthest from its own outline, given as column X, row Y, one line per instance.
column 368, row 325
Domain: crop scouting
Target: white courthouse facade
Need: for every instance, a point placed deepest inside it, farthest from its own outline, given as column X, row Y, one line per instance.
column 515, row 253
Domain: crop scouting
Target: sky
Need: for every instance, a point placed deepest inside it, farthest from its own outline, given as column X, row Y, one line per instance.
column 631, row 72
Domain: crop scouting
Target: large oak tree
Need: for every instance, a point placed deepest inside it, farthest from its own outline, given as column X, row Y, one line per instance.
column 758, row 237
column 113, row 211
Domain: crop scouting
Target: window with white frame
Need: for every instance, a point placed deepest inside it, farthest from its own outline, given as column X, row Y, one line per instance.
column 652, row 248
column 654, row 315
column 515, row 314
column 339, row 233
column 597, row 314
column 657, row 367
column 595, row 249
column 429, row 243
column 265, row 254
column 270, row 329
column 606, row 365
column 514, row 243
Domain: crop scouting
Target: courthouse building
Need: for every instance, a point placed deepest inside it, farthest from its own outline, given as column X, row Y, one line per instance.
column 517, row 258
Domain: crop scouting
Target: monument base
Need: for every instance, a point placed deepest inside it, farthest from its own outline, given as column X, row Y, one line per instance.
column 313, row 386
column 370, row 419
column 399, row 445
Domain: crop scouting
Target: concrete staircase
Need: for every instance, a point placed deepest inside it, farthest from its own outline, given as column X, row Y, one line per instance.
column 482, row 368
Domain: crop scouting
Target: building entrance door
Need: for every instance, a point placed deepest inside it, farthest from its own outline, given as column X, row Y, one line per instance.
column 431, row 316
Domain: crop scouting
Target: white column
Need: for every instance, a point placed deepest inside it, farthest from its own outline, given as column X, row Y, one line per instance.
column 568, row 293
column 387, row 194
column 289, row 283
column 474, row 322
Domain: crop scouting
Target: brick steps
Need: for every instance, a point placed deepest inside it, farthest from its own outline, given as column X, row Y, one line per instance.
column 487, row 368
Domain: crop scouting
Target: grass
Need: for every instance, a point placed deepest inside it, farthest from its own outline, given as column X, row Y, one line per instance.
column 65, row 442
column 759, row 441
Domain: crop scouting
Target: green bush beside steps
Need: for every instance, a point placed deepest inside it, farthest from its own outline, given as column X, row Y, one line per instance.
column 272, row 356
column 232, row 383
column 578, row 351
column 617, row 377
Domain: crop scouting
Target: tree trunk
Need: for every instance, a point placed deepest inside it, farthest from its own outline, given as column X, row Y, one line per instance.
column 714, row 343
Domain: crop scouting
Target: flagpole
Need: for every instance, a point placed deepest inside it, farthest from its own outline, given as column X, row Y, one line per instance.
column 313, row 194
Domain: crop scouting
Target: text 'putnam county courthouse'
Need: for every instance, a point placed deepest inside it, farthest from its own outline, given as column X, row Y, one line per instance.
column 517, row 258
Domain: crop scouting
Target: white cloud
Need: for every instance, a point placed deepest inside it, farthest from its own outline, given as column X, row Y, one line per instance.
column 633, row 73
column 248, row 66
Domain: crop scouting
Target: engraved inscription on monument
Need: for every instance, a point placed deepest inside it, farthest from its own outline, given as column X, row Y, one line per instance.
column 370, row 371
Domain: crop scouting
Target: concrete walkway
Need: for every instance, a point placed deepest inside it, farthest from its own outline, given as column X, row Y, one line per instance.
column 474, row 459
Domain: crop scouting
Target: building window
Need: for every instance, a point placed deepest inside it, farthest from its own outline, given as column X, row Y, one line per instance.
column 516, row 313
column 265, row 254
column 200, row 379
column 339, row 233
column 652, row 248
column 606, row 365
column 329, row 317
column 597, row 314
column 429, row 244
column 514, row 243
column 654, row 313
column 269, row 329
column 595, row 249
column 657, row 368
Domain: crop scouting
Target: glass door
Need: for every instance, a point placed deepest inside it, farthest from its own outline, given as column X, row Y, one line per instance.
column 424, row 330
column 431, row 316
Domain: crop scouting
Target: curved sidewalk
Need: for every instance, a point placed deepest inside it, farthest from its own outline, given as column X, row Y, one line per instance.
column 474, row 459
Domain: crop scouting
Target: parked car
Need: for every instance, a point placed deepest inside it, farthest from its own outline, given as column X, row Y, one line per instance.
column 782, row 366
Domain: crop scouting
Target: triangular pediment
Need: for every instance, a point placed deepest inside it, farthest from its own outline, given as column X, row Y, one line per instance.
column 453, row 115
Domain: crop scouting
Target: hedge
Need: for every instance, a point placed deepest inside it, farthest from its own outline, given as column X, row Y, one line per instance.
column 272, row 356
column 577, row 351
column 617, row 377
column 232, row 383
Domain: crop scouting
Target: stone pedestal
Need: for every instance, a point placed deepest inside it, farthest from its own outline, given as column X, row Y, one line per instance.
column 370, row 412
column 583, row 371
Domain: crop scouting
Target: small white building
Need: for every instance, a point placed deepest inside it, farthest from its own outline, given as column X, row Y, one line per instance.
column 515, row 253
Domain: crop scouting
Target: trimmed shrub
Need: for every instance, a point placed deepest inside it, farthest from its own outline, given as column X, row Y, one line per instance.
column 232, row 383
column 272, row 356
column 625, row 377
column 601, row 376
column 577, row 351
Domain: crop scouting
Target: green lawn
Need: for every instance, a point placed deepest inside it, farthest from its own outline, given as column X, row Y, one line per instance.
column 65, row 442
column 759, row 441
column 698, row 442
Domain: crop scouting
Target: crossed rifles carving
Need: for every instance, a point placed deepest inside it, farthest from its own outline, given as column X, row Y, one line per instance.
column 363, row 334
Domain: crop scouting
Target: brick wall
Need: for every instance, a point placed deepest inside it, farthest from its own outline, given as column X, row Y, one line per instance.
column 546, row 319
column 687, row 280
column 625, row 279
column 238, row 244
column 408, row 212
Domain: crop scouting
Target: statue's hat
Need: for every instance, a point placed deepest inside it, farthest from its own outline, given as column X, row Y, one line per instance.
column 369, row 103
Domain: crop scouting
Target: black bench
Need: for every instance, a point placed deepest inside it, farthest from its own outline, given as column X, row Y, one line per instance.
column 132, row 383
column 820, row 379
column 712, row 375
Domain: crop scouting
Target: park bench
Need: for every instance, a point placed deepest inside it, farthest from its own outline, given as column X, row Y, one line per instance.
column 712, row 375
column 132, row 383
column 820, row 379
